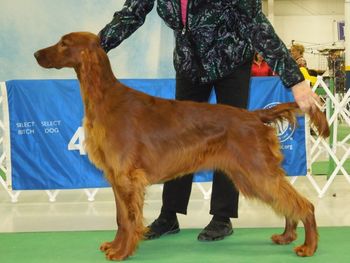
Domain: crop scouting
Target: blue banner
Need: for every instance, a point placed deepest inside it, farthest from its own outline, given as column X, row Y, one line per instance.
column 46, row 134
column 267, row 92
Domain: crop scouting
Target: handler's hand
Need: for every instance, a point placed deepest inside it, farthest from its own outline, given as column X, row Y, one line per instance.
column 305, row 97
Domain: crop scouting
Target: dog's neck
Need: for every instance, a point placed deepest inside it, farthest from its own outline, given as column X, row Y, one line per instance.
column 96, row 71
column 96, row 77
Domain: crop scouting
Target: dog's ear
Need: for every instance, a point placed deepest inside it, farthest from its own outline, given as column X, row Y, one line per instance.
column 90, row 74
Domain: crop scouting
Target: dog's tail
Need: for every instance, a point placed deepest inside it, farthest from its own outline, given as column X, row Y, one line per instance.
column 288, row 111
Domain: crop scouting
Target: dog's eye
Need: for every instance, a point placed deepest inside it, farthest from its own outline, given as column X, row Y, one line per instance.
column 64, row 43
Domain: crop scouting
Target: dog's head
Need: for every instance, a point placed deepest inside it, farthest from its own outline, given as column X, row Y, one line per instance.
column 69, row 51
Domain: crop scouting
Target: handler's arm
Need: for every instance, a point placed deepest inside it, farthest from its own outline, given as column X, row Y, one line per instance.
column 125, row 22
column 254, row 26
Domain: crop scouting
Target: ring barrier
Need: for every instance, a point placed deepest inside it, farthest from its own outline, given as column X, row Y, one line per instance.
column 337, row 151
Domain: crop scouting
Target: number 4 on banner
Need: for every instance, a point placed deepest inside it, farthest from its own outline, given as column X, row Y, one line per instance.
column 77, row 141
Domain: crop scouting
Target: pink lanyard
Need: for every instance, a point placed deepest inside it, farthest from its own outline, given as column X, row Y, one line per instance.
column 184, row 11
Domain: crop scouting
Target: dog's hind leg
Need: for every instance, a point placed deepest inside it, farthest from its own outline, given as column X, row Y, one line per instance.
column 311, row 236
column 129, row 193
column 285, row 200
column 289, row 234
column 269, row 184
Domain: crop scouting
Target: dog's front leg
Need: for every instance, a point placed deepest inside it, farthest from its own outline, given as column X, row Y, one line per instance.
column 107, row 245
column 129, row 194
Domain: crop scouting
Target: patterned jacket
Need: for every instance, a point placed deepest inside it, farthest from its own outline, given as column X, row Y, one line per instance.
column 218, row 37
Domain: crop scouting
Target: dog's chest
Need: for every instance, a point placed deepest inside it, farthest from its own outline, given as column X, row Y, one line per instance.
column 95, row 142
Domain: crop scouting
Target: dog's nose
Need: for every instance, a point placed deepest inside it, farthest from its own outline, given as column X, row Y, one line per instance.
column 36, row 54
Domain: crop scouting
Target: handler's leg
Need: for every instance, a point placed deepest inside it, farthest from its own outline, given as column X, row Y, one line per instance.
column 232, row 90
column 176, row 193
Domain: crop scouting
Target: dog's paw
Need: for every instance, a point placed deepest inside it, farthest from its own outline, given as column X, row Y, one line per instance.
column 117, row 254
column 304, row 251
column 283, row 239
column 105, row 246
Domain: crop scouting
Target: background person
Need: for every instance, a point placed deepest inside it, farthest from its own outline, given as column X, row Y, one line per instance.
column 260, row 68
column 297, row 51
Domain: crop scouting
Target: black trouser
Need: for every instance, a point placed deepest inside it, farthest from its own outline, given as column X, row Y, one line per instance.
column 232, row 90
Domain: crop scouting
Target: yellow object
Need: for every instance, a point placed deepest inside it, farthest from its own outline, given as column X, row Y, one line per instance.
column 307, row 76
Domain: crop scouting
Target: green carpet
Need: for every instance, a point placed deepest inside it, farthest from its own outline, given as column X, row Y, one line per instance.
column 246, row 245
column 343, row 131
column 323, row 168
column 2, row 174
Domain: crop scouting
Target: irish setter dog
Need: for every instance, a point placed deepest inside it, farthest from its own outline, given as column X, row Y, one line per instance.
column 138, row 140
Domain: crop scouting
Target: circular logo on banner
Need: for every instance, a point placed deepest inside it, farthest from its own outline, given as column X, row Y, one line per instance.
column 284, row 129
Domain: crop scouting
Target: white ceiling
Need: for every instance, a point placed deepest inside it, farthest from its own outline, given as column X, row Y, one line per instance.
column 306, row 7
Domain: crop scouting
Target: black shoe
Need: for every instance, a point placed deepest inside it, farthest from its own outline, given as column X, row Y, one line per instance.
column 161, row 227
column 215, row 230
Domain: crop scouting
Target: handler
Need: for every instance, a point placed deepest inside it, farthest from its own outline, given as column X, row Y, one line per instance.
column 215, row 45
